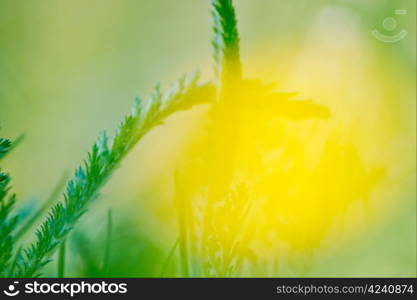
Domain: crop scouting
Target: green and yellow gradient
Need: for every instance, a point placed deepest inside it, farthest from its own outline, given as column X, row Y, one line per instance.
column 304, row 165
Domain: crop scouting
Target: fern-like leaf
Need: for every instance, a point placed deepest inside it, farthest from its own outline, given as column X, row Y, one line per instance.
column 7, row 224
column 101, row 162
column 226, row 49
column 5, row 145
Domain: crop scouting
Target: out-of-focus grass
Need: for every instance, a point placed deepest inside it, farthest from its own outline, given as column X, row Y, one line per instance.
column 68, row 69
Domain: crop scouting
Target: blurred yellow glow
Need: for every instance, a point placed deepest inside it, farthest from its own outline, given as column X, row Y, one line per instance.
column 311, row 182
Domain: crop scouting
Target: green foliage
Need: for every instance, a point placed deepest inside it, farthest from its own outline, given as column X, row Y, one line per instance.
column 7, row 223
column 107, row 246
column 5, row 145
column 31, row 220
column 61, row 260
column 227, row 245
column 225, row 41
column 133, row 253
column 100, row 164
column 240, row 102
column 107, row 154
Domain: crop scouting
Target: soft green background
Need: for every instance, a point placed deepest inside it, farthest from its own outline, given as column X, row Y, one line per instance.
column 69, row 69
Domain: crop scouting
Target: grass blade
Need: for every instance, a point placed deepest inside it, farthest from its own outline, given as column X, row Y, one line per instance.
column 107, row 245
column 169, row 257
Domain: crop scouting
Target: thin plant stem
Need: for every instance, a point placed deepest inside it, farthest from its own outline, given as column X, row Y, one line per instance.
column 170, row 256
column 61, row 260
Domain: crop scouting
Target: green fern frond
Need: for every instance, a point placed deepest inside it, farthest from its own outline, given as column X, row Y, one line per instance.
column 226, row 49
column 101, row 162
column 5, row 145
column 7, row 224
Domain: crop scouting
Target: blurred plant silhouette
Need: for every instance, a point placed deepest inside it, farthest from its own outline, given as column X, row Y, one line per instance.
column 257, row 192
